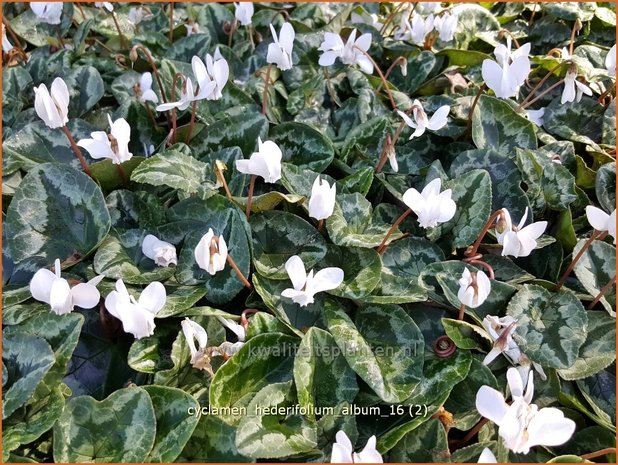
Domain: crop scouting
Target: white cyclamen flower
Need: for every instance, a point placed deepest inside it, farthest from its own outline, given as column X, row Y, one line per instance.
column 343, row 452
column 211, row 252
column 144, row 89
column 446, row 25
column 487, row 456
column 114, row 145
column 52, row 108
column 474, row 288
column 192, row 28
column 322, row 200
column 48, row 12
column 573, row 89
column 430, row 205
column 349, row 53
column 137, row 316
column 280, row 51
column 307, row 285
column 6, row 45
column 192, row 332
column 266, row 162
column 137, row 15
column 428, row 7
column 506, row 76
column 243, row 12
column 236, row 328
column 421, row 122
column 523, row 425
column 52, row 289
column 536, row 116
column 610, row 61
column 501, row 332
column 601, row 221
column 187, row 96
column 163, row 253
column 107, row 5
column 518, row 241
column 211, row 77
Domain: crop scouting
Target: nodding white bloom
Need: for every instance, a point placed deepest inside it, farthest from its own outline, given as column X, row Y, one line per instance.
column 48, row 12
column 137, row 15
column 137, row 316
column 536, row 116
column 143, row 89
column 349, row 53
column 371, row 19
column 266, row 162
column 573, row 89
column 236, row 328
column 518, row 241
column 610, row 61
column 244, row 12
column 474, row 288
column 422, row 122
column 280, row 51
column 211, row 252
column 194, row 332
column 391, row 155
column 601, row 221
column 163, row 253
column 343, row 452
column 430, row 205
column 417, row 30
column 428, row 7
column 52, row 289
column 446, row 25
column 187, row 96
column 322, row 200
column 6, row 45
column 487, row 456
column 114, row 145
column 192, row 28
column 565, row 54
column 522, row 424
column 107, row 5
column 52, row 108
column 210, row 77
column 307, row 285
column 506, row 76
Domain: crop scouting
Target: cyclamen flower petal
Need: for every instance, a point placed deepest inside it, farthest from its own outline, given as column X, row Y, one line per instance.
column 322, row 200
column 518, row 241
column 474, row 288
column 601, row 221
column 137, row 15
column 52, row 289
column 536, row 116
column 446, row 25
column 236, row 328
column 114, row 146
column 48, row 12
column 501, row 332
column 573, row 89
column 243, row 12
column 422, row 122
column 307, row 285
column 211, row 252
column 349, row 53
column 163, row 253
column 343, row 452
column 210, row 77
column 431, row 206
column 146, row 94
column 610, row 61
column 194, row 332
column 506, row 76
column 266, row 162
column 137, row 316
column 187, row 96
column 52, row 108
column 280, row 51
column 487, row 456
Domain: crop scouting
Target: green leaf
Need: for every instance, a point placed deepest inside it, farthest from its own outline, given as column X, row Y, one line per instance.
column 233, row 131
column 120, row 428
column 383, row 346
column 27, row 359
column 578, row 122
column 354, row 223
column 212, row 441
column 268, row 201
column 73, row 223
column 107, row 175
column 265, row 359
column 364, row 142
column 323, row 377
column 551, row 327
column 495, row 124
column 174, row 169
column 303, row 146
column 418, row 70
column 605, row 186
column 361, row 270
column 458, row 57
column 86, row 88
column 598, row 352
column 181, row 301
column 278, row 235
column 174, row 424
column 596, row 268
column 120, row 257
column 464, row 334
column 427, row 443
column 472, row 195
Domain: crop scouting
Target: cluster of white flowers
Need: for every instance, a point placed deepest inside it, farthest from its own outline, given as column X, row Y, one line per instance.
column 416, row 30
